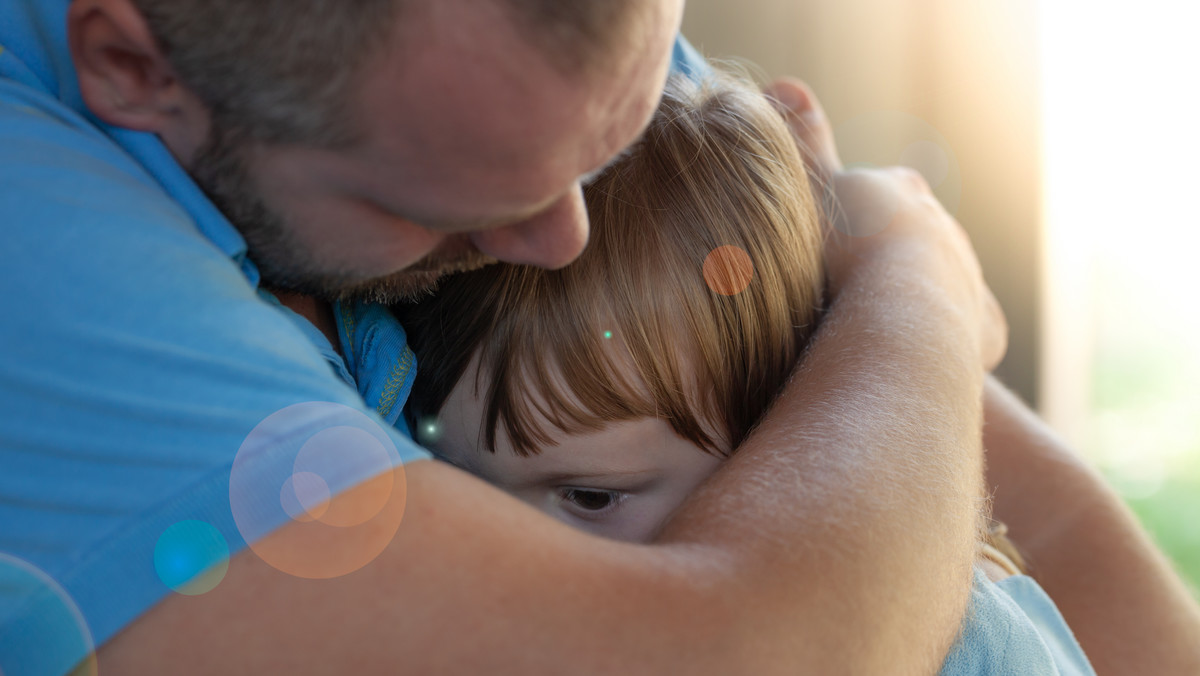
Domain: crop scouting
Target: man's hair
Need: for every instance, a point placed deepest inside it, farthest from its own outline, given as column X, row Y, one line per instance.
column 283, row 71
column 632, row 329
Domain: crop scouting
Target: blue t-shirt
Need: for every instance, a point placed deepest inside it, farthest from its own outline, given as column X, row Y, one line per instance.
column 150, row 394
column 139, row 361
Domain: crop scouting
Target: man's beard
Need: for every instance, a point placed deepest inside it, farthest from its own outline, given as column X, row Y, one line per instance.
column 283, row 263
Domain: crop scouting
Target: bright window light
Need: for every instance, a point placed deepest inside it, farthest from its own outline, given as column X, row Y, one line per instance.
column 1121, row 102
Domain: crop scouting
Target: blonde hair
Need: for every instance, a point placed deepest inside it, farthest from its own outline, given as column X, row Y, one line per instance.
column 632, row 329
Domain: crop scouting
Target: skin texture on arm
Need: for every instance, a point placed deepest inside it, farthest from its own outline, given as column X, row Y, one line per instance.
column 1128, row 608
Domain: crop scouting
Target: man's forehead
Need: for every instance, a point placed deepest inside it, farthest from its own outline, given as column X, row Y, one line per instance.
column 494, row 115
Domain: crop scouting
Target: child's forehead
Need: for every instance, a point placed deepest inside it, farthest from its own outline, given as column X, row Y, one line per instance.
column 548, row 387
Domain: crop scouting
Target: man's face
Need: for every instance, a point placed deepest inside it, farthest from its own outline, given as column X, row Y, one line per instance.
column 473, row 149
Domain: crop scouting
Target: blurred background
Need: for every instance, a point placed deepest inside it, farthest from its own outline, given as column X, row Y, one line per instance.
column 1065, row 137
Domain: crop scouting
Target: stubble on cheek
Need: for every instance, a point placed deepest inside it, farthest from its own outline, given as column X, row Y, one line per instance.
column 286, row 263
column 415, row 282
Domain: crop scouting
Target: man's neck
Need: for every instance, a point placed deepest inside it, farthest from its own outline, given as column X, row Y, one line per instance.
column 318, row 312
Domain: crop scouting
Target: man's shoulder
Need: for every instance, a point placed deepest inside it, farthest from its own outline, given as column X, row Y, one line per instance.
column 84, row 219
column 56, row 160
column 113, row 270
column 138, row 359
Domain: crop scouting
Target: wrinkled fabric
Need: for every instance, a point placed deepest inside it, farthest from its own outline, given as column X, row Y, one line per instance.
column 1013, row 629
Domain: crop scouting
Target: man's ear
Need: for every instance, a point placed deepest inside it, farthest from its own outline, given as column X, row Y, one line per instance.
column 125, row 78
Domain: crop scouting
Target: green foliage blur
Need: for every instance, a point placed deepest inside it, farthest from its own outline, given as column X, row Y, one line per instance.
column 1170, row 515
column 1145, row 434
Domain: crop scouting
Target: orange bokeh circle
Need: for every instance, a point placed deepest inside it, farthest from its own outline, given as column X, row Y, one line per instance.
column 317, row 490
column 728, row 270
column 316, row 550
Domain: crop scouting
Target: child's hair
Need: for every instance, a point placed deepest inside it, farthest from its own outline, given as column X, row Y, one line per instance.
column 632, row 329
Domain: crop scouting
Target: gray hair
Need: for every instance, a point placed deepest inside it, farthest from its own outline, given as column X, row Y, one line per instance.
column 281, row 71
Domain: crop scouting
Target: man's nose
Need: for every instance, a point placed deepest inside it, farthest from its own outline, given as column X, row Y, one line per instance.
column 550, row 239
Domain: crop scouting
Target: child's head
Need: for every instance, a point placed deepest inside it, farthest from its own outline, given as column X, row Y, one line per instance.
column 606, row 391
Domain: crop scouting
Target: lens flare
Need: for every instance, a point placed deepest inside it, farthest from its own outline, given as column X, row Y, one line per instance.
column 728, row 270
column 191, row 557
column 317, row 490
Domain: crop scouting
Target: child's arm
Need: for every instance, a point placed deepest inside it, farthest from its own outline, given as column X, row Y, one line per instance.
column 1129, row 610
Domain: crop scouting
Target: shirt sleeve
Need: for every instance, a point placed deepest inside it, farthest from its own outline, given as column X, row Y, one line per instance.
column 139, row 363
column 1014, row 629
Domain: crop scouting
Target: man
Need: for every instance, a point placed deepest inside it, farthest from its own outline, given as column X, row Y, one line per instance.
column 373, row 147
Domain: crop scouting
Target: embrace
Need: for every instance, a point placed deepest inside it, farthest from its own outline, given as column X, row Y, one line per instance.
column 506, row 336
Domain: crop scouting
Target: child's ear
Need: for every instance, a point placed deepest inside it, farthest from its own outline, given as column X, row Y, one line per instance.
column 125, row 78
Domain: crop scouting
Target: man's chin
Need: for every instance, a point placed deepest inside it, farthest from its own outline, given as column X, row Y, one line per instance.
column 408, row 285
column 402, row 287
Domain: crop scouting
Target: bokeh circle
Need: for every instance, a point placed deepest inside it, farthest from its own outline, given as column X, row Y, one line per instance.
column 317, row 490
column 728, row 270
column 428, row 431
column 36, row 610
column 888, row 138
column 305, row 496
column 191, row 557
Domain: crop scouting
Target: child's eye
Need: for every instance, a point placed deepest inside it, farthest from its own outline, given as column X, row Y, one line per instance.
column 591, row 500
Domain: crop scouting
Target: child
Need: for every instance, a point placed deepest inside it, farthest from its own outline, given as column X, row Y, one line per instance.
column 605, row 392
column 653, row 355
column 658, row 350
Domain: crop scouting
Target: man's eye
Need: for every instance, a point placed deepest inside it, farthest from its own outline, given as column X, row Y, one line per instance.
column 591, row 500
